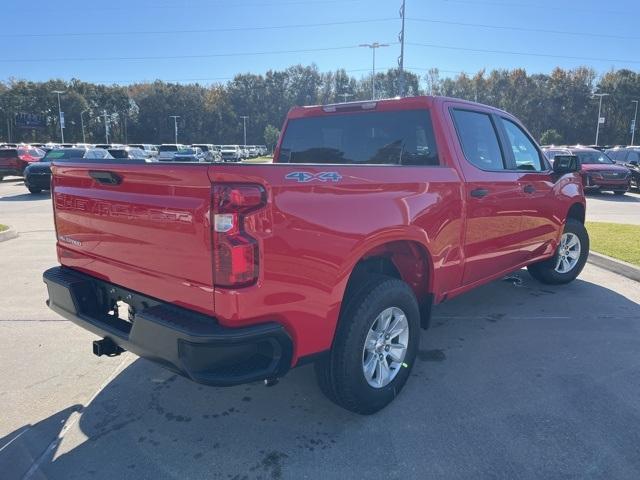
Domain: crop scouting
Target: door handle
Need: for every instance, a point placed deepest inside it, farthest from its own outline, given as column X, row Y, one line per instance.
column 479, row 192
column 529, row 189
column 106, row 178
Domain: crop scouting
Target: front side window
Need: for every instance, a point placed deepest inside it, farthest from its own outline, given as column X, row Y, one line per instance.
column 633, row 156
column 524, row 151
column 479, row 139
column 382, row 138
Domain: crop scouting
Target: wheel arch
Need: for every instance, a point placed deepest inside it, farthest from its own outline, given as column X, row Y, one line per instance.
column 577, row 211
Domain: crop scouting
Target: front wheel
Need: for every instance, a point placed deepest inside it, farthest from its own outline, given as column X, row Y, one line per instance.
column 619, row 192
column 375, row 346
column 569, row 259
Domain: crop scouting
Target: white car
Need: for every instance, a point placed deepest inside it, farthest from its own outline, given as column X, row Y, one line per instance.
column 167, row 151
column 231, row 153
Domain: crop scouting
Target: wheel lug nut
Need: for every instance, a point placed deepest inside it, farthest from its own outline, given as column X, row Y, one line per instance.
column 386, row 337
column 386, row 348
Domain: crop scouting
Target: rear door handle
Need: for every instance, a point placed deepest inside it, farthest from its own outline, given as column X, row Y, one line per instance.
column 106, row 178
column 479, row 192
column 529, row 189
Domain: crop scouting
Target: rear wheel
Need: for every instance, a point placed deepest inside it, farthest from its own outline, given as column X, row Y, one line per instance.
column 374, row 348
column 35, row 190
column 619, row 192
column 569, row 259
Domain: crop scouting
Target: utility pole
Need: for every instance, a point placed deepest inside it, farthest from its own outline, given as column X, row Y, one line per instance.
column 84, row 140
column 600, row 119
column 175, row 125
column 373, row 46
column 244, row 127
column 60, row 117
column 633, row 124
column 106, row 127
column 401, row 58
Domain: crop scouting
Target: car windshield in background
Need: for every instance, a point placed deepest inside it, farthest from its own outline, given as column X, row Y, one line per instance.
column 119, row 153
column 593, row 158
column 63, row 154
column 400, row 137
column 168, row 148
column 187, row 151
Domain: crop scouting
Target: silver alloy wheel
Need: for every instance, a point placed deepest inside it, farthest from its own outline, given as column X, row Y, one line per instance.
column 385, row 347
column 568, row 253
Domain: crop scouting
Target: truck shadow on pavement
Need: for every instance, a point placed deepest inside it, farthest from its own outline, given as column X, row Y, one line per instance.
column 513, row 380
column 26, row 197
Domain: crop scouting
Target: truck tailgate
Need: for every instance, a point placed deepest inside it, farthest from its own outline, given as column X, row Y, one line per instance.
column 143, row 226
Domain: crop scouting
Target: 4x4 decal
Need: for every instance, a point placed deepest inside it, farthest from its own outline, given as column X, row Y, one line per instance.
column 305, row 177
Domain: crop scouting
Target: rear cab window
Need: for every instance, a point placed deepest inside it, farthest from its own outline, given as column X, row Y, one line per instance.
column 479, row 139
column 403, row 137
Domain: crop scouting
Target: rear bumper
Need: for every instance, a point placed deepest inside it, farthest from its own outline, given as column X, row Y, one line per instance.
column 184, row 341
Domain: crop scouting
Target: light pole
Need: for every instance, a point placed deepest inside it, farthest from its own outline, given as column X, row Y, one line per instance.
column 401, row 58
column 373, row 46
column 106, row 127
column 82, row 124
column 633, row 124
column 244, row 127
column 599, row 111
column 60, row 119
column 175, row 125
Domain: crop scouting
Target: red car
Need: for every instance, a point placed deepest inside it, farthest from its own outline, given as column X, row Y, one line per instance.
column 600, row 173
column 13, row 161
column 371, row 213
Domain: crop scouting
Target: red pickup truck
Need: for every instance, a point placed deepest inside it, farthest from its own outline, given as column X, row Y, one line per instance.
column 370, row 213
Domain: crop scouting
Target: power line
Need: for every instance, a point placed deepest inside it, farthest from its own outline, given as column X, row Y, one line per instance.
column 537, row 6
column 525, row 29
column 530, row 54
column 174, row 6
column 204, row 30
column 174, row 57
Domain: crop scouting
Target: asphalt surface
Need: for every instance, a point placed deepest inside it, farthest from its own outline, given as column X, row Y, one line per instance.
column 516, row 380
column 607, row 207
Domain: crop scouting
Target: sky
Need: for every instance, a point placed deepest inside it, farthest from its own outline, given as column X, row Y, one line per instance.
column 210, row 41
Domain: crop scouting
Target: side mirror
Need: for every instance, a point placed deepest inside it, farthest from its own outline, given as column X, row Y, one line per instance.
column 565, row 164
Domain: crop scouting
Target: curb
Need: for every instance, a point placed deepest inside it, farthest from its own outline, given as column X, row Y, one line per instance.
column 614, row 265
column 8, row 234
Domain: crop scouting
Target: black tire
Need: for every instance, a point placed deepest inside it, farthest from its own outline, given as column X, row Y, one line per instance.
column 35, row 190
column 545, row 271
column 340, row 374
column 619, row 192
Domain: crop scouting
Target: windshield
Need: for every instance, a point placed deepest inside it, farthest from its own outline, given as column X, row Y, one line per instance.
column 168, row 148
column 187, row 151
column 594, row 158
column 400, row 137
column 63, row 154
column 229, row 147
column 119, row 153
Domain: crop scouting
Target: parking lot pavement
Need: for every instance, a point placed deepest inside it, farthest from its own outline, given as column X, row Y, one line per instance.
column 607, row 207
column 514, row 380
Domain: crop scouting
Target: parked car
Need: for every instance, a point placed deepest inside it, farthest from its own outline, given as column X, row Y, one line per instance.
column 551, row 151
column 599, row 172
column 190, row 154
column 130, row 153
column 231, row 153
column 630, row 158
column 13, row 161
column 150, row 150
column 371, row 213
column 105, row 146
column 263, row 150
column 166, row 151
column 37, row 176
column 211, row 153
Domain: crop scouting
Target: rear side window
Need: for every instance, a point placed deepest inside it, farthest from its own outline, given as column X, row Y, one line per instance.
column 397, row 138
column 479, row 139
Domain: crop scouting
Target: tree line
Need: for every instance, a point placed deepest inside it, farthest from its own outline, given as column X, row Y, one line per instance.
column 557, row 108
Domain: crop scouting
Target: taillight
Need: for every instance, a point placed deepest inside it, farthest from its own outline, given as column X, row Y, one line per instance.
column 236, row 260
